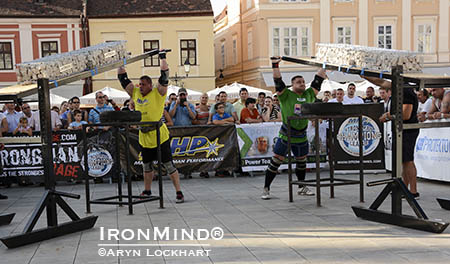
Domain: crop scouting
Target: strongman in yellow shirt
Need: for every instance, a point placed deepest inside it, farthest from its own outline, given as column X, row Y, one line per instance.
column 150, row 102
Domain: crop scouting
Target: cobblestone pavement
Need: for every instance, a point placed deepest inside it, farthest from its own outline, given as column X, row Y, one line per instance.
column 255, row 231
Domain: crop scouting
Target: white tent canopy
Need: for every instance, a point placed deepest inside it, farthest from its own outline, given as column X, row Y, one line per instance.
column 192, row 95
column 232, row 91
column 55, row 100
column 119, row 96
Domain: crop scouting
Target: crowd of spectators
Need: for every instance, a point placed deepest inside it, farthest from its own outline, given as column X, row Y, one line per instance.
column 181, row 112
column 434, row 103
column 20, row 120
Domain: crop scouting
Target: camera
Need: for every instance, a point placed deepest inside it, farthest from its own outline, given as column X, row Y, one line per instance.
column 182, row 100
column 109, row 100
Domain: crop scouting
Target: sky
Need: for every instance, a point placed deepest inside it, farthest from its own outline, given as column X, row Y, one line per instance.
column 218, row 6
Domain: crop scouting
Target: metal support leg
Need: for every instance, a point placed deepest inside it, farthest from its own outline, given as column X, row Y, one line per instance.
column 86, row 171
column 361, row 159
column 330, row 136
column 118, row 167
column 128, row 154
column 160, row 184
column 291, row 196
column 317, row 144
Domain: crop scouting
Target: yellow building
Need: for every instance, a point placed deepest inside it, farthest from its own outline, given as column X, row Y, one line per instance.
column 249, row 32
column 186, row 28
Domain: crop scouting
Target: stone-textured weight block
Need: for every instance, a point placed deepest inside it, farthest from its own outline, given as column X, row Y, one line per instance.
column 62, row 65
column 368, row 57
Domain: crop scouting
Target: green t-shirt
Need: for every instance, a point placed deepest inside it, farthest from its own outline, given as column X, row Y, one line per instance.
column 291, row 105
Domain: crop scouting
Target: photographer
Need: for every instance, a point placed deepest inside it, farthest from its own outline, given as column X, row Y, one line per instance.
column 113, row 104
column 181, row 111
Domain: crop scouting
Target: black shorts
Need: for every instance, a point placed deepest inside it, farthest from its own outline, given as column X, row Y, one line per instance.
column 151, row 154
column 408, row 144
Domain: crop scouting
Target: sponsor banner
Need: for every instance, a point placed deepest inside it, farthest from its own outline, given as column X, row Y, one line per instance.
column 347, row 146
column 256, row 143
column 25, row 160
column 196, row 149
column 432, row 154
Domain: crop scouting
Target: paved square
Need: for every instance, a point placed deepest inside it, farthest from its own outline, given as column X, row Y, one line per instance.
column 255, row 231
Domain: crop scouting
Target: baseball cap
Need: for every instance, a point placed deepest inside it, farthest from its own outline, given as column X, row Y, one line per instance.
column 182, row 90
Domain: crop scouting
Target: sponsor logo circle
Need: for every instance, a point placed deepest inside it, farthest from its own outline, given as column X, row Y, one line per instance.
column 100, row 162
column 348, row 137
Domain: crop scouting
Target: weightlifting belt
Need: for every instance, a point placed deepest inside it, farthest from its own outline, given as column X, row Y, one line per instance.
column 146, row 129
column 294, row 132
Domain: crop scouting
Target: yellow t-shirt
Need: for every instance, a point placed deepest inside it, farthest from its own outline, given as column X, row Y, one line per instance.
column 151, row 107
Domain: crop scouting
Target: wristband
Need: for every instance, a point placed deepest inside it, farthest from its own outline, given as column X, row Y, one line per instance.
column 442, row 115
column 162, row 55
column 426, row 116
column 275, row 65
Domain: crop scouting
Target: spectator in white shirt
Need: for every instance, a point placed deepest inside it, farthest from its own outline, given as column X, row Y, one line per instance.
column 385, row 95
column 36, row 121
column 425, row 102
column 350, row 98
column 12, row 116
column 339, row 96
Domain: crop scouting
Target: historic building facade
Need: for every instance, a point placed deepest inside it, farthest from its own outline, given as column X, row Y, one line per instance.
column 248, row 32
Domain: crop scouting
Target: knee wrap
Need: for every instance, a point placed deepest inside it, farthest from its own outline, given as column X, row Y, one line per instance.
column 124, row 81
column 147, row 167
column 274, row 164
column 300, row 165
column 169, row 167
column 164, row 78
column 317, row 82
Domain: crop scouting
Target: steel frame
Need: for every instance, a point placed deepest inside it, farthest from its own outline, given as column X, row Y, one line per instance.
column 331, row 181
column 51, row 197
column 118, row 199
column 399, row 79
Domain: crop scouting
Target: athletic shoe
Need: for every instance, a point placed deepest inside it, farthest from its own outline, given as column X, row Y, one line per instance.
column 266, row 194
column 179, row 198
column 3, row 197
column 305, row 191
column 146, row 193
column 416, row 196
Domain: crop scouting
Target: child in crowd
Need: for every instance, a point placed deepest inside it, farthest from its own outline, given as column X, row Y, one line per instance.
column 23, row 128
column 220, row 117
column 78, row 123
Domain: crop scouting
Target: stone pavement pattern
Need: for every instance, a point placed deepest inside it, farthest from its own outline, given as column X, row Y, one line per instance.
column 256, row 231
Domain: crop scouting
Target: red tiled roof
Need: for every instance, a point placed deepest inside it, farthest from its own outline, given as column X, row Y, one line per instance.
column 50, row 8
column 130, row 8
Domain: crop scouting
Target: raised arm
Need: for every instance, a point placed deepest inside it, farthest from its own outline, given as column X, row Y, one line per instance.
column 279, row 84
column 124, row 81
column 316, row 84
column 377, row 81
column 163, row 81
